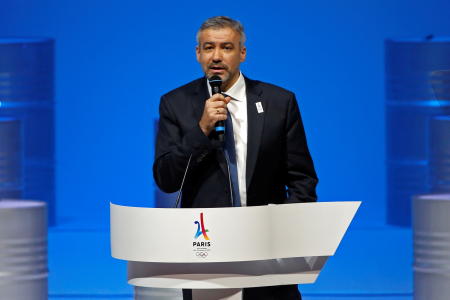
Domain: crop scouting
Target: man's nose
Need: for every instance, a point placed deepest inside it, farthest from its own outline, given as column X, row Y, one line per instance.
column 217, row 55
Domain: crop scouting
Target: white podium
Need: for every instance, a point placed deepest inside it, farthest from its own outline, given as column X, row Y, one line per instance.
column 213, row 250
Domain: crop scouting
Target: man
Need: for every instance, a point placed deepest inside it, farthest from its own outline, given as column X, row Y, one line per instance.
column 269, row 151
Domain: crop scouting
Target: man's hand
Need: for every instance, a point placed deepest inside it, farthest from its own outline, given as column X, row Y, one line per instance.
column 215, row 110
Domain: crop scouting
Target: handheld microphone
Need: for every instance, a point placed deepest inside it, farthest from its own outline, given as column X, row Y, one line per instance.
column 215, row 82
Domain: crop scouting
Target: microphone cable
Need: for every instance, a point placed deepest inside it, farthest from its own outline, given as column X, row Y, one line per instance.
column 182, row 182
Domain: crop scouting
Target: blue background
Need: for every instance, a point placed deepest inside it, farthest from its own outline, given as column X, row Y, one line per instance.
column 114, row 59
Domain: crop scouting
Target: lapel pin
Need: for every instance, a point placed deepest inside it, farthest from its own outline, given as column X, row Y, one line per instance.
column 259, row 107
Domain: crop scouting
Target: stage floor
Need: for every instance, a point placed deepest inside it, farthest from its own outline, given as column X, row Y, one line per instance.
column 371, row 263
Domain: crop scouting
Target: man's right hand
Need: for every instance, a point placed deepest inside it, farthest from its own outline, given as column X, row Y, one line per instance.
column 215, row 110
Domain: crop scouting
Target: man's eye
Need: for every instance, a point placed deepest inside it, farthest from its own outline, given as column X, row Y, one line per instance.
column 208, row 48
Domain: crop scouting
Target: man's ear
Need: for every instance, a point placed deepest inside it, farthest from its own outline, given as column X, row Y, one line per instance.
column 243, row 53
column 197, row 52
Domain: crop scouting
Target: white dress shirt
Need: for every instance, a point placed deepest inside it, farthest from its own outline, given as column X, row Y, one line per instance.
column 238, row 111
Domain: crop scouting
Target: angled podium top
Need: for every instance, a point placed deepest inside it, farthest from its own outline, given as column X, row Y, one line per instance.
column 231, row 234
column 233, row 247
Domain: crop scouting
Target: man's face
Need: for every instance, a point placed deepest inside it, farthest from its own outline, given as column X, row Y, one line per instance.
column 219, row 53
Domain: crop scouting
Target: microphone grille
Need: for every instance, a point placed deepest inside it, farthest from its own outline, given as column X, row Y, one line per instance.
column 215, row 80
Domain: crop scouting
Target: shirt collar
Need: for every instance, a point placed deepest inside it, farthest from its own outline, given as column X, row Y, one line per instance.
column 237, row 91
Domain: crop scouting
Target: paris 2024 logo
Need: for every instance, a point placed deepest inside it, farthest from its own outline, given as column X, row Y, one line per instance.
column 202, row 243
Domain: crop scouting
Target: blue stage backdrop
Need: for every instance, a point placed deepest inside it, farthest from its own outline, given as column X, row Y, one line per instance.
column 26, row 95
column 416, row 91
column 114, row 59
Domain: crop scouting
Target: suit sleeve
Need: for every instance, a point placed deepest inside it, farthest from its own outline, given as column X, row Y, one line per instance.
column 301, row 176
column 174, row 146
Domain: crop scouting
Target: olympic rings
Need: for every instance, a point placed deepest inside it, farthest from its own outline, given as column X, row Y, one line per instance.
column 201, row 254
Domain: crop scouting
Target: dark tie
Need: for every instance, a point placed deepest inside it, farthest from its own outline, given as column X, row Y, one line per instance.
column 230, row 152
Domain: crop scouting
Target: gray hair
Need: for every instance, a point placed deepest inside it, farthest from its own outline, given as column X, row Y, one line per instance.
column 223, row 22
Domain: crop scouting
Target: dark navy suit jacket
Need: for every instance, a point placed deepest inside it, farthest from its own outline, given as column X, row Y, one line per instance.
column 277, row 152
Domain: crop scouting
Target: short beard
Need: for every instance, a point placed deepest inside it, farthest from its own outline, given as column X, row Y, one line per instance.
column 225, row 78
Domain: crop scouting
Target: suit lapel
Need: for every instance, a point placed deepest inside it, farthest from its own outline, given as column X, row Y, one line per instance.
column 200, row 96
column 255, row 127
